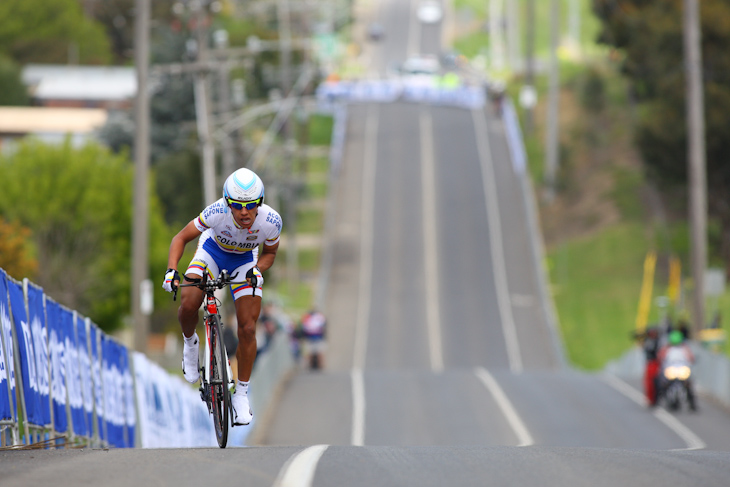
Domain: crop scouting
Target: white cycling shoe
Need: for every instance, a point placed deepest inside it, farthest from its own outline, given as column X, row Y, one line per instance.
column 242, row 414
column 190, row 361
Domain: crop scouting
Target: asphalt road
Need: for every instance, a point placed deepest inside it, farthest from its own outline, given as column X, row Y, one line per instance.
column 442, row 366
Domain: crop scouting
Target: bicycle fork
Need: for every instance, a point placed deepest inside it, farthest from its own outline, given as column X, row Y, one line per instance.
column 206, row 368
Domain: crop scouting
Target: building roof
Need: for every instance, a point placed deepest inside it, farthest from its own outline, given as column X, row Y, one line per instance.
column 71, row 82
column 24, row 120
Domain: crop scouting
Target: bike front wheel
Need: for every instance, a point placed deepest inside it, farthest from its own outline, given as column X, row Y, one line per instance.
column 219, row 394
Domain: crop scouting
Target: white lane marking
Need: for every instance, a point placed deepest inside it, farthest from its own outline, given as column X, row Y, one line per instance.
column 693, row 441
column 299, row 470
column 495, row 234
column 367, row 202
column 358, row 408
column 428, row 188
column 366, row 277
column 523, row 435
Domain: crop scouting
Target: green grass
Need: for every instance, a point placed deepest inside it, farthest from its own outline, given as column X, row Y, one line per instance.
column 320, row 129
column 596, row 284
column 298, row 297
column 311, row 220
column 294, row 301
column 472, row 44
column 478, row 10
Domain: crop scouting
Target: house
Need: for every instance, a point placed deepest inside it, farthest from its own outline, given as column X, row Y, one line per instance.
column 108, row 87
column 68, row 100
column 50, row 124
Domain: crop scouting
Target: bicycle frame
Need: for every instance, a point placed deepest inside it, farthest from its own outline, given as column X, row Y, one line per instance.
column 216, row 382
column 210, row 308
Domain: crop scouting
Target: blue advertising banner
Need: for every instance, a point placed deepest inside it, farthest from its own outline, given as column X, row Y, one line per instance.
column 25, row 354
column 73, row 373
column 87, row 387
column 39, row 332
column 7, row 371
column 113, row 392
column 129, row 400
column 95, row 338
column 57, row 348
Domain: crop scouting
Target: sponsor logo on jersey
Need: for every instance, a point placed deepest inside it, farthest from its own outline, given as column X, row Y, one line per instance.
column 234, row 245
column 275, row 219
column 251, row 237
column 227, row 233
column 213, row 209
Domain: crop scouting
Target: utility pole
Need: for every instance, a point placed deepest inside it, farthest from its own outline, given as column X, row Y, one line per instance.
column 530, row 62
column 513, row 36
column 574, row 25
column 496, row 35
column 552, row 133
column 201, row 109
column 224, row 106
column 140, row 228
column 292, row 260
column 696, row 159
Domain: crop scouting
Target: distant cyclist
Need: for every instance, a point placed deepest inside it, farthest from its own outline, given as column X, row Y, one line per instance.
column 231, row 231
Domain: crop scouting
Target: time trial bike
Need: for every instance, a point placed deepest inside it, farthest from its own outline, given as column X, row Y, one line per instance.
column 216, row 378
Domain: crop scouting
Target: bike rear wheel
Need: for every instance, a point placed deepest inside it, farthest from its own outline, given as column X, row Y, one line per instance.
column 220, row 396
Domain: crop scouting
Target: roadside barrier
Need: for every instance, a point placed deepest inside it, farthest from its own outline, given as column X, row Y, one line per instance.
column 63, row 381
column 414, row 89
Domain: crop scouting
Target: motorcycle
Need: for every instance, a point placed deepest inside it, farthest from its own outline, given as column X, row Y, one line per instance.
column 675, row 390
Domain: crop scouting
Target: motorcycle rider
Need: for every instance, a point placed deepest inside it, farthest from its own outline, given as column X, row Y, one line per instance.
column 678, row 353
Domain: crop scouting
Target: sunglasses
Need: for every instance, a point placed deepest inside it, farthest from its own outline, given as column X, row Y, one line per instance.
column 239, row 205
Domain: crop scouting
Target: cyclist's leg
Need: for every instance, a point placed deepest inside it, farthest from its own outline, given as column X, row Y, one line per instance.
column 248, row 308
column 247, row 313
column 191, row 297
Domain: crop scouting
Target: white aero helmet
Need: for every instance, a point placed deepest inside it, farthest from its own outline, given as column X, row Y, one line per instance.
column 244, row 185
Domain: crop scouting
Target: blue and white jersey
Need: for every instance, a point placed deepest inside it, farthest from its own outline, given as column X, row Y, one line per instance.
column 222, row 233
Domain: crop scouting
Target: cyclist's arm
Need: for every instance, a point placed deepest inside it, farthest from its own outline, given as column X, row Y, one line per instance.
column 267, row 256
column 177, row 246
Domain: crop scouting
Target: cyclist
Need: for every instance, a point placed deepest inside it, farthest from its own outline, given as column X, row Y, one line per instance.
column 231, row 231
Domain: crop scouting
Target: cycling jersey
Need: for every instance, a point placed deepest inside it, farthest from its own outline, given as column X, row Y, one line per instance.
column 221, row 233
column 225, row 245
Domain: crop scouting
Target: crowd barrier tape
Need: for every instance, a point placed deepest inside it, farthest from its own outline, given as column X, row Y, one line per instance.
column 61, row 376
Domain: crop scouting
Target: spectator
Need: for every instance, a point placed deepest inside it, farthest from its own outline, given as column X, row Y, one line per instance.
column 314, row 326
column 265, row 327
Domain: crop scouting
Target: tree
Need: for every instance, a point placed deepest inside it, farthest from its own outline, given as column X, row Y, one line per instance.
column 16, row 253
column 649, row 36
column 51, row 31
column 78, row 203
column 12, row 89
column 173, row 139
